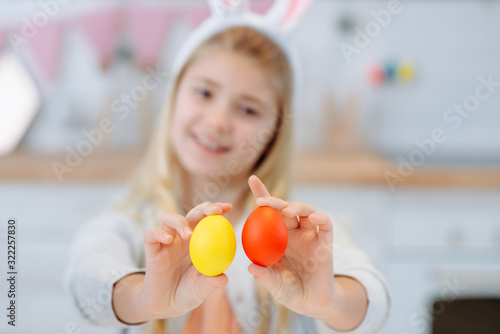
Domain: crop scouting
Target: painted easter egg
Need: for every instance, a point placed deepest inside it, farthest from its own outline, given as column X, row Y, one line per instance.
column 213, row 245
column 264, row 236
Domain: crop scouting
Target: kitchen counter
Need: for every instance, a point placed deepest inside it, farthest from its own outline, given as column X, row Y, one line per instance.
column 329, row 168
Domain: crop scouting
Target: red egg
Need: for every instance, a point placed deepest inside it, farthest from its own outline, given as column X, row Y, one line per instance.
column 264, row 236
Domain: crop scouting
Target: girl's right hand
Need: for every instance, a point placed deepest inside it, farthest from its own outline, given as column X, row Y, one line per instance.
column 172, row 285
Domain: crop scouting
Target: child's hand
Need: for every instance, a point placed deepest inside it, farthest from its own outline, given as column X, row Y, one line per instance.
column 303, row 279
column 172, row 285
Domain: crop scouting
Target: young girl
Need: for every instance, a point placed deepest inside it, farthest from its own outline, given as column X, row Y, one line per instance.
column 223, row 146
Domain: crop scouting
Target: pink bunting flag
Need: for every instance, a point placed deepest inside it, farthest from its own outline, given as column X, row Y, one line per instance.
column 46, row 48
column 102, row 29
column 148, row 27
column 2, row 38
column 197, row 15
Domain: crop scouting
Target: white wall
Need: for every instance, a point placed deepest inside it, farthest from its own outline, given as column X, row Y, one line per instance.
column 451, row 43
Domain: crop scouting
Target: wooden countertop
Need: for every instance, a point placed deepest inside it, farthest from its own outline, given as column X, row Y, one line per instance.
column 369, row 168
column 318, row 168
column 33, row 166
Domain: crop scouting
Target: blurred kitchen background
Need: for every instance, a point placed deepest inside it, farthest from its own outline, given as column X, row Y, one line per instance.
column 398, row 133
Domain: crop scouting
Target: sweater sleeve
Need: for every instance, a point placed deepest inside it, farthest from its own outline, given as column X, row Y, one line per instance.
column 103, row 250
column 349, row 260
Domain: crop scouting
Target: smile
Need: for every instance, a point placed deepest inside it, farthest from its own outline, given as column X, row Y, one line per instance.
column 209, row 146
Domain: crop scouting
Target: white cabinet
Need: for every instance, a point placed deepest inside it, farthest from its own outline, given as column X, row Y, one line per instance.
column 442, row 245
column 46, row 216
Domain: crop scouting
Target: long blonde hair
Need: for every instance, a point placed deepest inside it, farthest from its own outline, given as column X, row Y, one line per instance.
column 155, row 187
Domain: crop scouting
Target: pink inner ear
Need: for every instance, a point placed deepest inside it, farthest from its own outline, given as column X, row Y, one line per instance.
column 291, row 11
column 295, row 9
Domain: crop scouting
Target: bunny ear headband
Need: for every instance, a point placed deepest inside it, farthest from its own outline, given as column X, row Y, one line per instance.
column 277, row 24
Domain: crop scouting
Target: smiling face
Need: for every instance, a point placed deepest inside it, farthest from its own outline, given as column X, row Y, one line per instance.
column 225, row 113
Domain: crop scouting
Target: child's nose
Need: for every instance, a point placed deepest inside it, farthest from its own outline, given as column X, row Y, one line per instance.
column 219, row 118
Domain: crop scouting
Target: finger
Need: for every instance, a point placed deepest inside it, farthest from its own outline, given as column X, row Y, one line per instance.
column 205, row 285
column 267, row 276
column 154, row 238
column 226, row 207
column 258, row 188
column 322, row 221
column 273, row 202
column 320, row 224
column 205, row 209
column 306, row 224
column 324, row 227
column 317, row 222
column 173, row 222
column 297, row 213
column 279, row 204
column 300, row 209
column 157, row 235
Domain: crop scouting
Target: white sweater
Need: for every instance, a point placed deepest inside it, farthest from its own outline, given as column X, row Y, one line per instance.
column 110, row 246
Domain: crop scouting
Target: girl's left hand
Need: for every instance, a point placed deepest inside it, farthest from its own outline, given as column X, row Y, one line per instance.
column 302, row 280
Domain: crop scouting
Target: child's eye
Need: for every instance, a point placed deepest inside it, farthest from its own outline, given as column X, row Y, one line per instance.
column 203, row 93
column 248, row 111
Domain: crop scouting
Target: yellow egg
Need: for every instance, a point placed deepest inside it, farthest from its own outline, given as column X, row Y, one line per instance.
column 406, row 71
column 212, row 245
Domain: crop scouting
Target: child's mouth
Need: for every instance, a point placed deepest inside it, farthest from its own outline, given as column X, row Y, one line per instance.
column 209, row 146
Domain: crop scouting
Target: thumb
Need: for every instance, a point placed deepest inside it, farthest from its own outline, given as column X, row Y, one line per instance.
column 205, row 285
column 267, row 276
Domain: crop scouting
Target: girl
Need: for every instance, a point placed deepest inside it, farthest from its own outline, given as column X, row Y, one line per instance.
column 223, row 146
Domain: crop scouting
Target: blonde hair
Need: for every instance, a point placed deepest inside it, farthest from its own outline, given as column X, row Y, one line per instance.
column 155, row 187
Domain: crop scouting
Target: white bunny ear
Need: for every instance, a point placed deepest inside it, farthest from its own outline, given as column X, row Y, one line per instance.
column 223, row 8
column 287, row 13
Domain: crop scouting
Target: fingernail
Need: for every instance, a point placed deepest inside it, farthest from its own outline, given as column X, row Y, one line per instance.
column 167, row 236
column 187, row 230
